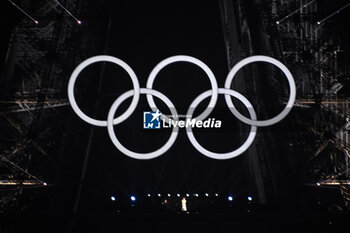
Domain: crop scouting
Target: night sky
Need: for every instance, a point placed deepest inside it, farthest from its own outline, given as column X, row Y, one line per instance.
column 84, row 183
column 143, row 36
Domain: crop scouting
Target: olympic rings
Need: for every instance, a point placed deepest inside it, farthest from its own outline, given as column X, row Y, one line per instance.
column 90, row 61
column 130, row 153
column 207, row 70
column 231, row 154
column 253, row 122
column 292, row 90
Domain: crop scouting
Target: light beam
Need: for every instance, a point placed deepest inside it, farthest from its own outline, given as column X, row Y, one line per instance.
column 25, row 13
column 331, row 15
column 294, row 12
column 68, row 12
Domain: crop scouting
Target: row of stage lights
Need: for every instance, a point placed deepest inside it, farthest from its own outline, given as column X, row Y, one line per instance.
column 229, row 198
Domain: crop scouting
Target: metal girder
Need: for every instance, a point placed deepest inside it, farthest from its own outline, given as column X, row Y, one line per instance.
column 34, row 80
column 30, row 105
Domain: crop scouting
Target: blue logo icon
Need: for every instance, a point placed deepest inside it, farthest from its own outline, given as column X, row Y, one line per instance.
column 151, row 120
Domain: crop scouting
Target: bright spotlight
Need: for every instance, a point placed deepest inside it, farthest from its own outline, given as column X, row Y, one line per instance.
column 318, row 184
column 230, row 198
column 45, row 184
column 187, row 195
column 159, row 195
column 149, row 195
column 78, row 21
column 196, row 194
column 206, row 194
column 169, row 195
column 113, row 198
column 133, row 198
column 318, row 22
column 178, row 195
column 277, row 22
column 250, row 198
column 216, row 195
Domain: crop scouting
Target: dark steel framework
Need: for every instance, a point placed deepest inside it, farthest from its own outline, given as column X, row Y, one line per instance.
column 33, row 88
column 295, row 34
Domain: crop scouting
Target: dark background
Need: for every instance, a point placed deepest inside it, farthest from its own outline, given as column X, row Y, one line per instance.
column 84, row 169
column 153, row 33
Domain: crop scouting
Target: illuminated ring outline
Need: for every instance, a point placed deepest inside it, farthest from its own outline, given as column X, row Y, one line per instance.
column 213, row 93
column 128, row 152
column 292, row 90
column 228, row 155
column 90, row 61
column 193, row 60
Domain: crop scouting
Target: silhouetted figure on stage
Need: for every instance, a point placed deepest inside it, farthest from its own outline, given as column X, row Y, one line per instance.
column 183, row 204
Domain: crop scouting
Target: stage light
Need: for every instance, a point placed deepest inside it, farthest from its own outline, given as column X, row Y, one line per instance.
column 230, row 198
column 206, row 194
column 250, row 198
column 113, row 198
column 44, row 183
column 187, row 195
column 149, row 195
column 196, row 194
column 294, row 12
column 159, row 195
column 216, row 195
column 133, row 198
column 25, row 13
column 169, row 195
column 68, row 12
column 178, row 195
column 318, row 184
column 334, row 13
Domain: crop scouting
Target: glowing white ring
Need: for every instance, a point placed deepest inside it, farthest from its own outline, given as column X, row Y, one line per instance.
column 90, row 61
column 128, row 152
column 183, row 58
column 292, row 90
column 213, row 93
column 231, row 154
